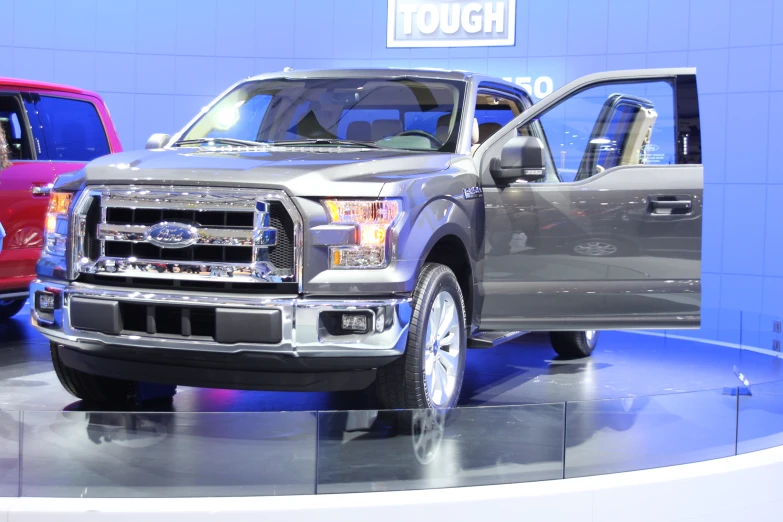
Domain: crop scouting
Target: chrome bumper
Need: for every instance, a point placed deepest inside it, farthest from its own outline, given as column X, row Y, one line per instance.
column 301, row 328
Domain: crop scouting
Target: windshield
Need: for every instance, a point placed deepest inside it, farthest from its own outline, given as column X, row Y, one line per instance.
column 402, row 113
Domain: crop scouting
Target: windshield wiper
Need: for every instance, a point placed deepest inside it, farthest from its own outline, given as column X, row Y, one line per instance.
column 225, row 141
column 326, row 141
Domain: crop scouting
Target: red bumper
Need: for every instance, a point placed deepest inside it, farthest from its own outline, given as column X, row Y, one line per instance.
column 17, row 268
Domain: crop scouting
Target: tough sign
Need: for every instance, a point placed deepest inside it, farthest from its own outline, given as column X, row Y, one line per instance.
column 427, row 23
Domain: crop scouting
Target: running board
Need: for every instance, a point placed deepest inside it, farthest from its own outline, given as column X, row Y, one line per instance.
column 491, row 338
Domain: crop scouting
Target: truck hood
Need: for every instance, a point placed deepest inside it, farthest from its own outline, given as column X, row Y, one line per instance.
column 301, row 171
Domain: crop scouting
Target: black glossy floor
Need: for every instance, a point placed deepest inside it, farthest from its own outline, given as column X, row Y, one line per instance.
column 520, row 372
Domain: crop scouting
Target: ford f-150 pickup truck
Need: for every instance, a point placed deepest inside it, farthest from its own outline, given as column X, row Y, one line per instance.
column 50, row 129
column 327, row 230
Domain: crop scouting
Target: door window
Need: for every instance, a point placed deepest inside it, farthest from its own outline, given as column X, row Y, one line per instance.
column 72, row 128
column 609, row 126
column 11, row 122
column 493, row 111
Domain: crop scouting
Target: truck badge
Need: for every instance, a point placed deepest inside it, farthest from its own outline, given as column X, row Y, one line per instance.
column 472, row 193
column 171, row 235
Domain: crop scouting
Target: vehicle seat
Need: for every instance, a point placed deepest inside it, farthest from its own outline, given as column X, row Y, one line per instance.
column 359, row 131
column 442, row 128
column 385, row 128
column 488, row 129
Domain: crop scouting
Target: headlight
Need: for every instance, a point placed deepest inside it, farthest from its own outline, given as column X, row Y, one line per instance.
column 57, row 223
column 373, row 219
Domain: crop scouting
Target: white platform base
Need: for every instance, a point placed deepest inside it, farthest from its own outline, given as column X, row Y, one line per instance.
column 746, row 488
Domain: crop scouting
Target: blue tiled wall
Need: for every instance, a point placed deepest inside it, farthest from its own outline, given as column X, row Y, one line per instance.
column 157, row 62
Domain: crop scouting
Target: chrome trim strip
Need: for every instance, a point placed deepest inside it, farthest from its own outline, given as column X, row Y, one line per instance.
column 182, row 270
column 14, row 294
column 301, row 320
column 164, row 198
column 205, row 236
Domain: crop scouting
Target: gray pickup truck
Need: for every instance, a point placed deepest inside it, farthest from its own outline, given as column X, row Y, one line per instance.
column 327, row 230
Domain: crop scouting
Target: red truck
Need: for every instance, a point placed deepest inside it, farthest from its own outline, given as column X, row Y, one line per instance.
column 50, row 130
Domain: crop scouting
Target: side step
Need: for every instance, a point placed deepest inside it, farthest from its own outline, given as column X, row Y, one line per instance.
column 491, row 338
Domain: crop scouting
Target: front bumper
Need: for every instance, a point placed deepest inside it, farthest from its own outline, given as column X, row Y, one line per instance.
column 303, row 336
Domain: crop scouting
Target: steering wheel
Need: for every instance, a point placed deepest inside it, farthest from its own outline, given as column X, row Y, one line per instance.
column 423, row 134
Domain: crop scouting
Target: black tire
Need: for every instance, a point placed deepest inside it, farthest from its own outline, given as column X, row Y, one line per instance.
column 573, row 345
column 10, row 307
column 92, row 389
column 402, row 384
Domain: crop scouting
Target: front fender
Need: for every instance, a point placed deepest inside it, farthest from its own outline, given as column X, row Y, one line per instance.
column 412, row 242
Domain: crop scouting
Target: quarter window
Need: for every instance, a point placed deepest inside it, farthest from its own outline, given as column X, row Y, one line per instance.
column 72, row 128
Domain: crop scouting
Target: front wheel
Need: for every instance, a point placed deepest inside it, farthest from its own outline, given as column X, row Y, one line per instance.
column 574, row 345
column 10, row 307
column 430, row 373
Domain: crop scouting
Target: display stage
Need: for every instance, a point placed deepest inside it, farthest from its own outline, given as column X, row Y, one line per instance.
column 639, row 402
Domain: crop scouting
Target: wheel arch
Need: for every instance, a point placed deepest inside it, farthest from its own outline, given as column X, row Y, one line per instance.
column 449, row 248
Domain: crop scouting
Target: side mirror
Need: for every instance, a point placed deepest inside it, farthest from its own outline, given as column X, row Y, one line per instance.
column 157, row 141
column 521, row 158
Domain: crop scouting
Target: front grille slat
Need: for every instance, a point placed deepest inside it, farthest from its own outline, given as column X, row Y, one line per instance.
column 219, row 230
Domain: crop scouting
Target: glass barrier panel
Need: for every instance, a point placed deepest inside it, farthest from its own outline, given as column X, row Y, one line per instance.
column 106, row 454
column 616, row 435
column 761, row 418
column 361, row 451
column 9, row 453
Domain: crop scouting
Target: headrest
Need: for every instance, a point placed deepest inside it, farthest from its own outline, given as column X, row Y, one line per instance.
column 359, row 131
column 488, row 129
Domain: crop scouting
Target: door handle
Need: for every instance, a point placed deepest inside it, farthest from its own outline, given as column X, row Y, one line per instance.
column 668, row 205
column 41, row 190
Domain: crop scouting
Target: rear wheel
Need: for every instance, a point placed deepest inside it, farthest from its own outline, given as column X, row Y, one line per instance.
column 430, row 373
column 10, row 307
column 574, row 345
column 96, row 389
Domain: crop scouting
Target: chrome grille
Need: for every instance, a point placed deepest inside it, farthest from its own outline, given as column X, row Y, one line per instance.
column 236, row 236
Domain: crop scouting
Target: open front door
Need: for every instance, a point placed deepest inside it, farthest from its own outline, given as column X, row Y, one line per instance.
column 610, row 235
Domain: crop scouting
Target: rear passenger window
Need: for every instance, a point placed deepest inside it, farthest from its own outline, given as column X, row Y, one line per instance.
column 11, row 119
column 72, row 129
column 493, row 111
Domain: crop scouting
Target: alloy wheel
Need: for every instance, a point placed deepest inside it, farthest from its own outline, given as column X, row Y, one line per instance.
column 442, row 350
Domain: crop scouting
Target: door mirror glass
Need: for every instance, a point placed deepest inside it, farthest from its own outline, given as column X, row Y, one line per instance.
column 522, row 158
column 157, row 141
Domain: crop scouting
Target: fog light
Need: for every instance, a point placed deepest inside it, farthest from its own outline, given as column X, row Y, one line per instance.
column 354, row 322
column 45, row 301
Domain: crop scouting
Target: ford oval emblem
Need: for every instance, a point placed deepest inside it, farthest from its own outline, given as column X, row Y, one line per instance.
column 171, row 235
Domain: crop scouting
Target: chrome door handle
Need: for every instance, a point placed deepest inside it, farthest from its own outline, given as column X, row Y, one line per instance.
column 41, row 190
column 670, row 204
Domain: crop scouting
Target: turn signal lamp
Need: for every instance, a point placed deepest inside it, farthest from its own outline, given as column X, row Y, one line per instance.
column 373, row 219
column 57, row 222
